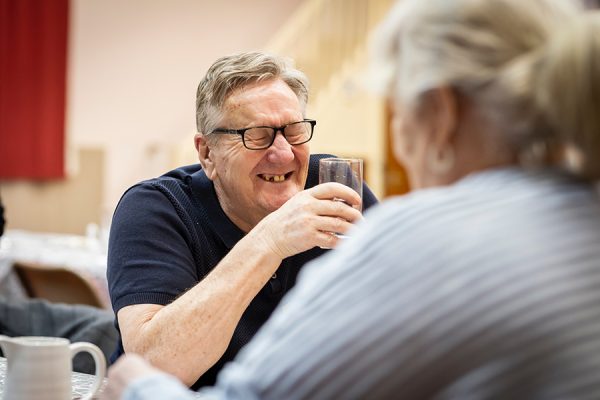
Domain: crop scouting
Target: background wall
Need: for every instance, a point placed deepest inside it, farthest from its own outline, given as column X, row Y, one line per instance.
column 133, row 68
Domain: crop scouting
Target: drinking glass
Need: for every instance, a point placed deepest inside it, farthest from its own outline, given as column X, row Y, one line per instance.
column 347, row 171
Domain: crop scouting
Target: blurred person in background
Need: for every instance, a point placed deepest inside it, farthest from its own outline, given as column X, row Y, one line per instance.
column 484, row 283
column 38, row 317
column 200, row 257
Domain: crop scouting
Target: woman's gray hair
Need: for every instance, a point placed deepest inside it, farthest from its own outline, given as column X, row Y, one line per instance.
column 232, row 72
column 528, row 65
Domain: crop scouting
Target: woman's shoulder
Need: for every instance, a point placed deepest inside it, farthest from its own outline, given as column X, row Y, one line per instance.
column 507, row 198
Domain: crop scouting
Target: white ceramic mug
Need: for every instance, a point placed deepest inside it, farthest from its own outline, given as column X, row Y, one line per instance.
column 40, row 367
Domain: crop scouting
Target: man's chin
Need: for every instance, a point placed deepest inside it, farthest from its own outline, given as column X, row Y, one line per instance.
column 273, row 203
column 273, row 197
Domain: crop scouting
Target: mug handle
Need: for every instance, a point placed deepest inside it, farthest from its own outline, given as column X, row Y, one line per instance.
column 99, row 360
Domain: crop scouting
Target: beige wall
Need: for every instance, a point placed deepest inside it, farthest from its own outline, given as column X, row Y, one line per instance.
column 134, row 67
column 351, row 122
column 63, row 206
column 132, row 73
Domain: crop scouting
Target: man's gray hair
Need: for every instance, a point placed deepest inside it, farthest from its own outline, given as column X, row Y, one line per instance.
column 232, row 72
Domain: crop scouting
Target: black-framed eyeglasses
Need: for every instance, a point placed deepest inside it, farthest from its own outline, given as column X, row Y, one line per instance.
column 262, row 137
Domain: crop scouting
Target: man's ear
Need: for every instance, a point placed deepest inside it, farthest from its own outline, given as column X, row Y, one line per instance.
column 204, row 155
column 443, row 108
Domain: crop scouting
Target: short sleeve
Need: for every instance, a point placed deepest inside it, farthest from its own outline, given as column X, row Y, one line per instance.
column 149, row 260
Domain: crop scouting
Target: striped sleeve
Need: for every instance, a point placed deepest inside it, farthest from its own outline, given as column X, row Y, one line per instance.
column 487, row 289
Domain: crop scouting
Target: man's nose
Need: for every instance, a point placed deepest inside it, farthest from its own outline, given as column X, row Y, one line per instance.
column 280, row 151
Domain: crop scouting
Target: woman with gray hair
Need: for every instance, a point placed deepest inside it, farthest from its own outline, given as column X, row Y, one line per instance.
column 484, row 283
column 486, row 85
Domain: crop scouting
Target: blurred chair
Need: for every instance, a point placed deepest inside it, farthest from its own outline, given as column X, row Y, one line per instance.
column 56, row 284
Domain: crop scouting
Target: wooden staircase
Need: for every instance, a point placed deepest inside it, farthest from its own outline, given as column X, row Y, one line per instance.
column 324, row 36
column 328, row 40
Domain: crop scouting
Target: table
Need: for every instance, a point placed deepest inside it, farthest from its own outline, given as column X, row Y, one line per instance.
column 81, row 383
column 85, row 255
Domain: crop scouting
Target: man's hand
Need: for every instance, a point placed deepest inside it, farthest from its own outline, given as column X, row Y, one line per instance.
column 308, row 220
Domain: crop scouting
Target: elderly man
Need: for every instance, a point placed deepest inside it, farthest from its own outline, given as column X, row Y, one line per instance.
column 200, row 257
column 484, row 282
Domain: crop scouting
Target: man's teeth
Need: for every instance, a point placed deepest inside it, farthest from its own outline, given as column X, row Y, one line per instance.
column 274, row 178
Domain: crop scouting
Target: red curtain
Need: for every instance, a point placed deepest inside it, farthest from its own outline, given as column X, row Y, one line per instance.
column 33, row 62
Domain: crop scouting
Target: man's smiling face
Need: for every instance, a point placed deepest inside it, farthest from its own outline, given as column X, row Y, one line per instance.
column 250, row 184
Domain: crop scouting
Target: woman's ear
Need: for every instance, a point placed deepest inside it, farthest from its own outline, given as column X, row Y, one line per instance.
column 443, row 115
column 204, row 155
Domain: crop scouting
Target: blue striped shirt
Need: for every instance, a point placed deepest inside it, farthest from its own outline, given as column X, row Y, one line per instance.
column 489, row 288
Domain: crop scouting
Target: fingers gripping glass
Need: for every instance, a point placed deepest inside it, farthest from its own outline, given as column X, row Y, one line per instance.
column 262, row 137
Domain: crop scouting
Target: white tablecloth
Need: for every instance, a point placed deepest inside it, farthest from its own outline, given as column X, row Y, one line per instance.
column 85, row 255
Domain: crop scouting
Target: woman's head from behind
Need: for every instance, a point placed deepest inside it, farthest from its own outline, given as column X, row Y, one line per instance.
column 469, row 84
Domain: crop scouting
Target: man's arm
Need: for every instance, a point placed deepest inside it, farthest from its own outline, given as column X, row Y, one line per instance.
column 188, row 336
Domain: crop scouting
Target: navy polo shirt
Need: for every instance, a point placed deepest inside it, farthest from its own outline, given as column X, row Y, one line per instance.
column 170, row 232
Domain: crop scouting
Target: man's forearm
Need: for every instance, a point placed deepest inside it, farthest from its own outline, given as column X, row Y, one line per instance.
column 188, row 336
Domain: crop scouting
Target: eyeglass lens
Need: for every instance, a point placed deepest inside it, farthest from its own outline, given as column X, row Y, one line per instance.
column 262, row 137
